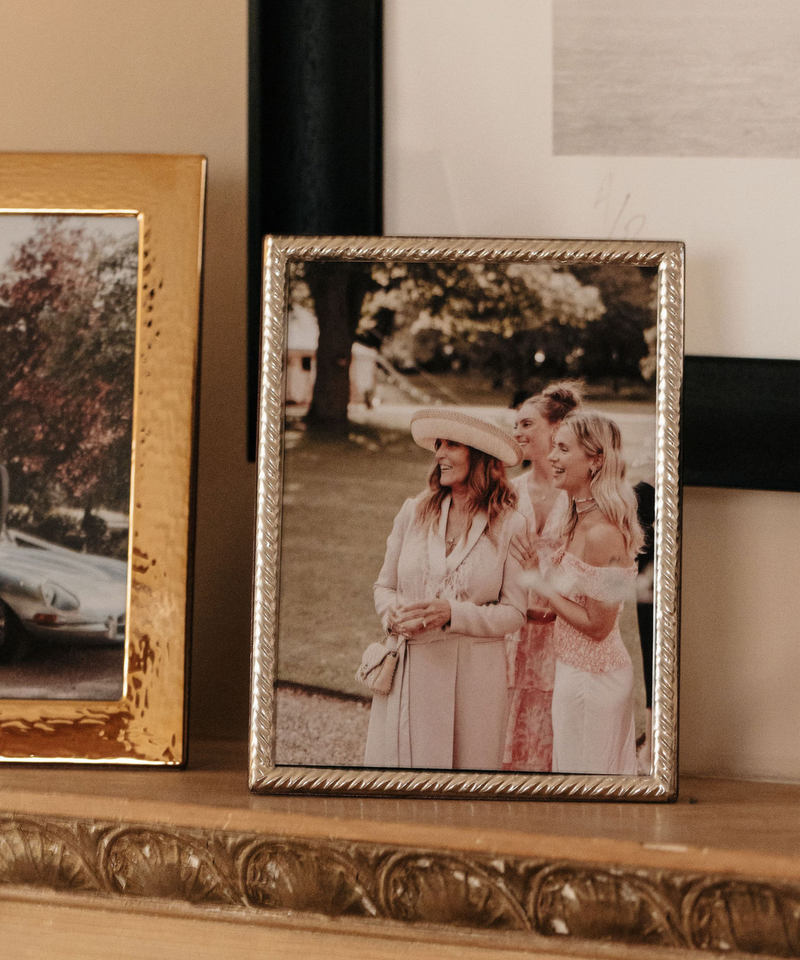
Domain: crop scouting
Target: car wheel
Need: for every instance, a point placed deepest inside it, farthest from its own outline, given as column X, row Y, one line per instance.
column 14, row 641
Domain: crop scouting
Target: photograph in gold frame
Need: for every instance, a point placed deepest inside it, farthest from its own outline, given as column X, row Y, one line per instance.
column 460, row 331
column 100, row 289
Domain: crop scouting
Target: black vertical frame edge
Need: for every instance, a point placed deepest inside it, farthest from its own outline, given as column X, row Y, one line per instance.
column 315, row 135
column 741, row 423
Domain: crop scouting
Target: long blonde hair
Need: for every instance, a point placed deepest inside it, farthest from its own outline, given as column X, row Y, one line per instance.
column 600, row 437
column 488, row 489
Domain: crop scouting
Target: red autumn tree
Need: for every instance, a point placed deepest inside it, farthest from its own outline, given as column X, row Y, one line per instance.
column 67, row 334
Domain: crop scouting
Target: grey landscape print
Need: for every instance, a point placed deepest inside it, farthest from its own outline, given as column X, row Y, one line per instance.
column 687, row 78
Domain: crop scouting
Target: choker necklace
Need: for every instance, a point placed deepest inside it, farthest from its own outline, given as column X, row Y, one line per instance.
column 585, row 500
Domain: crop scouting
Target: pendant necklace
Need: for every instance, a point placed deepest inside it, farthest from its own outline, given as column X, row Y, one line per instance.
column 535, row 496
column 450, row 542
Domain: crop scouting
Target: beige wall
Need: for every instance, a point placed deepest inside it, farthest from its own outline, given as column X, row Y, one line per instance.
column 740, row 648
column 467, row 153
column 166, row 77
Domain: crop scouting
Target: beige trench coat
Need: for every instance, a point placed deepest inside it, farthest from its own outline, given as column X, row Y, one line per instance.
column 448, row 705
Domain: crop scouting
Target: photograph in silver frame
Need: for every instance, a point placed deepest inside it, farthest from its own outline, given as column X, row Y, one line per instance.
column 467, row 532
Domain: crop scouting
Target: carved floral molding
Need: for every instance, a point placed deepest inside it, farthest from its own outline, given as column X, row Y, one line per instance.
column 505, row 895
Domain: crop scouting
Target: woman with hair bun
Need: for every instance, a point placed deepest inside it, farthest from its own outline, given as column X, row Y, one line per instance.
column 448, row 594
column 531, row 659
column 586, row 584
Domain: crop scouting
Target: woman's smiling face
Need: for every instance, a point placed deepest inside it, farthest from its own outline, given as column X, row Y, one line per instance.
column 570, row 462
column 533, row 433
column 453, row 461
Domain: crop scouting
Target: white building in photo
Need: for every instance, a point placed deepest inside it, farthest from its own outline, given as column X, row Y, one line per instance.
column 301, row 355
column 301, row 362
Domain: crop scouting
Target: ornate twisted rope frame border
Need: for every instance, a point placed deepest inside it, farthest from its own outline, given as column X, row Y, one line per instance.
column 661, row 784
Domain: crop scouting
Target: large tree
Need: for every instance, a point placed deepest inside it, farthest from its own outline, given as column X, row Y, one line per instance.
column 67, row 330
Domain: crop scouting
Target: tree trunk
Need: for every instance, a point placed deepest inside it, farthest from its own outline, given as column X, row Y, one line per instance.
column 337, row 326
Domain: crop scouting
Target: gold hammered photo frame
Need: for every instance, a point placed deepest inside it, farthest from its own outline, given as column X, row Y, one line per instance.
column 100, row 287
column 367, row 343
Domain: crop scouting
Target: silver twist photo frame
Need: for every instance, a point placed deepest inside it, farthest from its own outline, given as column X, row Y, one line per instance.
column 510, row 603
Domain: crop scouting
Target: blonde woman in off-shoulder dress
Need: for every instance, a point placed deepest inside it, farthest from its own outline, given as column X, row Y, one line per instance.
column 585, row 583
column 531, row 656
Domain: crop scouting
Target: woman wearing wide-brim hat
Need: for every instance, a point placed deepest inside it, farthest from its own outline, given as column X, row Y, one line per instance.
column 449, row 592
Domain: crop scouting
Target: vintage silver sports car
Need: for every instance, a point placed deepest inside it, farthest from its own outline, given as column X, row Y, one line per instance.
column 52, row 593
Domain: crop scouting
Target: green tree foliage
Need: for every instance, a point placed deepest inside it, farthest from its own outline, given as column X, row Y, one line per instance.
column 622, row 342
column 499, row 319
column 67, row 335
column 514, row 322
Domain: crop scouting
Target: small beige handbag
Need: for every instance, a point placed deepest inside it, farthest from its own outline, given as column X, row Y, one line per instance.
column 378, row 666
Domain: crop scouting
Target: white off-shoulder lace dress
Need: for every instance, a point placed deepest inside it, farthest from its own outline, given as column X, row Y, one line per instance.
column 593, row 713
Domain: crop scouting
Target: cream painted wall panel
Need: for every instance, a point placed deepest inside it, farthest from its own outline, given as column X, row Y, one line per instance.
column 467, row 152
column 156, row 77
column 740, row 646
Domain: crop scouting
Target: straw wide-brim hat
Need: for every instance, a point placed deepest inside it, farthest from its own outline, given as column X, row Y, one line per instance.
column 440, row 423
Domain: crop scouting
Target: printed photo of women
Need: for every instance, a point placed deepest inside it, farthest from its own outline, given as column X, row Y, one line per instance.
column 459, row 542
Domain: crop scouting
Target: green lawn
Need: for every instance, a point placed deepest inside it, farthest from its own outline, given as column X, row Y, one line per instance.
column 340, row 499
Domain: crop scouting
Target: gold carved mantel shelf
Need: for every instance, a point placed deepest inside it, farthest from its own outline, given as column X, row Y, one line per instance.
column 718, row 871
